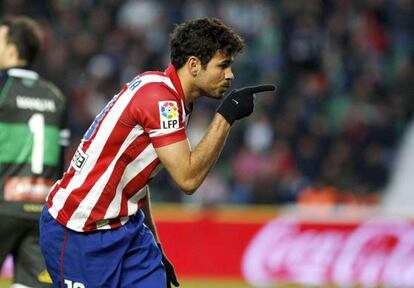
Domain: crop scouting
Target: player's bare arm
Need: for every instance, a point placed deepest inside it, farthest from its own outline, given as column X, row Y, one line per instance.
column 189, row 168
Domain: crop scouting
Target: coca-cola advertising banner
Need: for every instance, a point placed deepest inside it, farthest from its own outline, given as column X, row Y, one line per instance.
column 265, row 248
column 370, row 253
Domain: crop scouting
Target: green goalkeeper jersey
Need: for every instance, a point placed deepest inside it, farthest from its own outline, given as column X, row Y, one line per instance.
column 32, row 133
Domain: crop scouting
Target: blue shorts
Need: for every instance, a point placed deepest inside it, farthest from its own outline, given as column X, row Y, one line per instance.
column 123, row 257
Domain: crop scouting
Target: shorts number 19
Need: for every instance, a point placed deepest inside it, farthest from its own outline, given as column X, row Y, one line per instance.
column 72, row 284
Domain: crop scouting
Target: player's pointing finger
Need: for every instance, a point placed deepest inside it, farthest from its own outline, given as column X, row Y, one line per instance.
column 261, row 88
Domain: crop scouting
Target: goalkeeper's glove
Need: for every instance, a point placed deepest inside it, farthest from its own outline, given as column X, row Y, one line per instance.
column 169, row 269
column 240, row 102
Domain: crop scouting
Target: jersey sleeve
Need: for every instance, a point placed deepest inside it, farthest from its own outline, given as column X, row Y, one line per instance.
column 160, row 112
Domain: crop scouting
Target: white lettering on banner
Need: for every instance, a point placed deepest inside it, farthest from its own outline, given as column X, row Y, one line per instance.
column 374, row 253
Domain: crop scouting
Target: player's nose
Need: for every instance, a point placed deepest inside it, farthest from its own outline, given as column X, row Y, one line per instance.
column 228, row 74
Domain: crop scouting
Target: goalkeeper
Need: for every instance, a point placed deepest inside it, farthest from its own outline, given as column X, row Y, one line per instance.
column 32, row 138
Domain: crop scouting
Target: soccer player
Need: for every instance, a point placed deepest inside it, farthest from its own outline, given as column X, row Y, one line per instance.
column 96, row 229
column 31, row 121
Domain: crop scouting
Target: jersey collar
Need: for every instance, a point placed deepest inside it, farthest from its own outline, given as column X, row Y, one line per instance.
column 23, row 73
column 171, row 72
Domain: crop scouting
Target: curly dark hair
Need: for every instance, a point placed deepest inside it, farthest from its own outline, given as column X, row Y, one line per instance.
column 25, row 34
column 203, row 38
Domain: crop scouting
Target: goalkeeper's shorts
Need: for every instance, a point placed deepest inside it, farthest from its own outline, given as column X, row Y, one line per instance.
column 124, row 257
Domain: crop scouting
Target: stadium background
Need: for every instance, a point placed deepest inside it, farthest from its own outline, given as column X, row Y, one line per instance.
column 329, row 138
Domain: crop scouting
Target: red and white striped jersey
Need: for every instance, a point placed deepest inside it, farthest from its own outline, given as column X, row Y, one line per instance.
column 106, row 181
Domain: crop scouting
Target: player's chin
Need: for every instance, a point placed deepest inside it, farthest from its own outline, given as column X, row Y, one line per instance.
column 221, row 95
column 222, row 92
column 218, row 95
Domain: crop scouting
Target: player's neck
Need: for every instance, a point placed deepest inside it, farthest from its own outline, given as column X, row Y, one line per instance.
column 191, row 92
column 13, row 63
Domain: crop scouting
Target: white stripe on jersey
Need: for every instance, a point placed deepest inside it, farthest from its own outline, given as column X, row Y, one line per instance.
column 132, row 202
column 131, row 170
column 107, row 125
column 153, row 78
column 159, row 132
column 104, row 224
column 80, row 216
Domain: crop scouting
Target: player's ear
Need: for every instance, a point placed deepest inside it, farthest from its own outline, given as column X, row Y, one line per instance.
column 194, row 65
column 12, row 52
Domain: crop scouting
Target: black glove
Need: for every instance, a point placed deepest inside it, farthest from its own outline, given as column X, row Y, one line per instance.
column 169, row 270
column 239, row 103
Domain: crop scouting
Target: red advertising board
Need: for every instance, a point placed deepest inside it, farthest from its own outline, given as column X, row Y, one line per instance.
column 208, row 243
column 278, row 249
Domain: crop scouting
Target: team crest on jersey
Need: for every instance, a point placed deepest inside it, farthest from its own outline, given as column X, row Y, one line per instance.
column 168, row 114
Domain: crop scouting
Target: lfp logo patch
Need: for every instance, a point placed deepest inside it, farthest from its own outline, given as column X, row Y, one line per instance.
column 168, row 114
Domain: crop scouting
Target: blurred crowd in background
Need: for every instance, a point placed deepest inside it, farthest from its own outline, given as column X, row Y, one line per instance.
column 330, row 133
